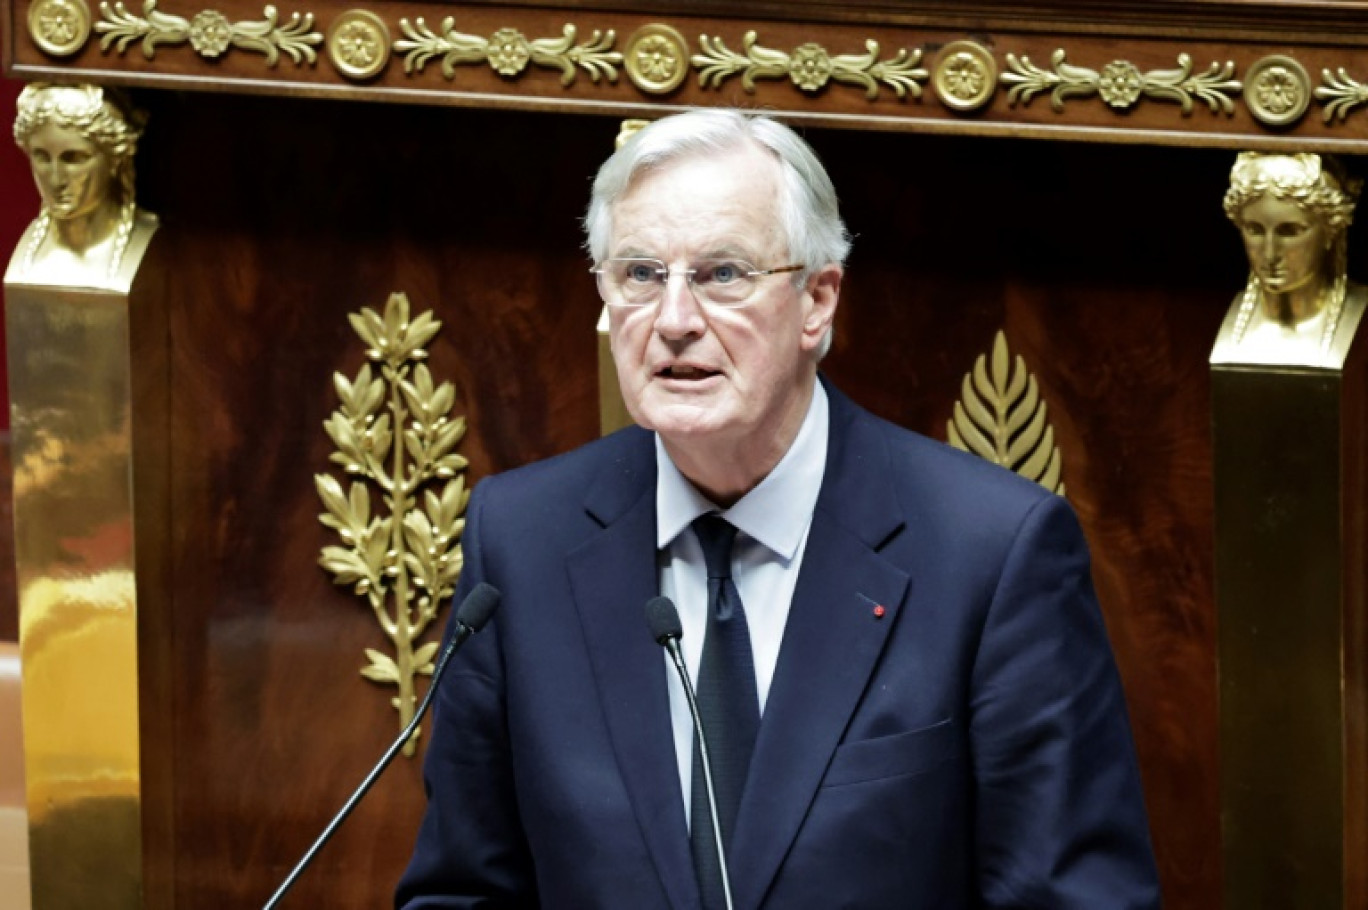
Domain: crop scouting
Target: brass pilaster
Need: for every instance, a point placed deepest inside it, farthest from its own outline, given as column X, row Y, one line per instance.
column 612, row 411
column 72, row 388
column 1289, row 456
column 94, row 671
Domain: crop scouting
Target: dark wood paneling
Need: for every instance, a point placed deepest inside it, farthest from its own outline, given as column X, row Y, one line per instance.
column 278, row 231
column 1109, row 267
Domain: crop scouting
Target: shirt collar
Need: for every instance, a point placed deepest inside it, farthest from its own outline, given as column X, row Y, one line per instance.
column 776, row 513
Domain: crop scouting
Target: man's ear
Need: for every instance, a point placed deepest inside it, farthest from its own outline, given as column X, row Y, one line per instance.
column 823, row 291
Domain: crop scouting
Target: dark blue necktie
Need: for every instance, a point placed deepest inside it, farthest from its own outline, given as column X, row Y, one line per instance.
column 727, row 703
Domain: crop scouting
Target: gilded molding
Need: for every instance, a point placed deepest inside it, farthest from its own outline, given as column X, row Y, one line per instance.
column 809, row 66
column 210, row 32
column 965, row 76
column 656, row 59
column 393, row 433
column 1000, row 417
column 1121, row 84
column 1277, row 90
column 358, row 44
column 1340, row 94
column 507, row 51
column 59, row 27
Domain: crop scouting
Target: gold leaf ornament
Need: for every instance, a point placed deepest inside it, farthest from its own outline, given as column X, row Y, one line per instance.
column 810, row 67
column 1000, row 417
column 210, row 33
column 1121, row 84
column 395, row 436
column 508, row 52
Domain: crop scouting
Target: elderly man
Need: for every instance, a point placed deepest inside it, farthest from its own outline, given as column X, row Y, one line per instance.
column 903, row 676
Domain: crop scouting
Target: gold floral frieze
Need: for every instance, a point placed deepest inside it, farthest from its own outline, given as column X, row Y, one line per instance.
column 508, row 51
column 1001, row 417
column 395, row 437
column 1121, row 84
column 809, row 66
column 209, row 32
column 59, row 27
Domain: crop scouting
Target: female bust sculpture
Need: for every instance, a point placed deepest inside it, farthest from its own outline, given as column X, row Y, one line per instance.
column 80, row 142
column 1293, row 212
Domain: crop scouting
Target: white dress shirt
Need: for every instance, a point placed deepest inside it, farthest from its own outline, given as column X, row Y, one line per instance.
column 772, row 522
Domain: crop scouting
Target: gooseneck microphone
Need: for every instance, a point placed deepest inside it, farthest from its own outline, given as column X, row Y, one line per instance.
column 666, row 628
column 471, row 617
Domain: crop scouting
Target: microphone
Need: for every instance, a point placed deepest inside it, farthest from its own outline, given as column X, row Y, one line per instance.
column 666, row 629
column 471, row 617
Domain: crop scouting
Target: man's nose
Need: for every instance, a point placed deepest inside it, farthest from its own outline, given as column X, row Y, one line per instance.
column 679, row 313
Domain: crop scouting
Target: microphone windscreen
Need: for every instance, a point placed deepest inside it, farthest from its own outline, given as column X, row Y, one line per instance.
column 663, row 619
column 478, row 606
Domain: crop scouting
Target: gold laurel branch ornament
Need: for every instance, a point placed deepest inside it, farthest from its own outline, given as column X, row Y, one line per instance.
column 1001, row 417
column 809, row 67
column 1121, row 84
column 1340, row 94
column 393, row 434
column 508, row 52
column 209, row 32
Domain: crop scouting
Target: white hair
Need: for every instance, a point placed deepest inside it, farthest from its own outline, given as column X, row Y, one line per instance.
column 808, row 210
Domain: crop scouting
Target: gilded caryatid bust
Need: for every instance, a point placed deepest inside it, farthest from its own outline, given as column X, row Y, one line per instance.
column 1299, row 307
column 80, row 142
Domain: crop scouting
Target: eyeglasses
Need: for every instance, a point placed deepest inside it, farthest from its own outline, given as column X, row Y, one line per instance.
column 727, row 283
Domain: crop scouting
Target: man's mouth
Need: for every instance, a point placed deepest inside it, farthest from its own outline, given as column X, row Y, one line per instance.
column 684, row 371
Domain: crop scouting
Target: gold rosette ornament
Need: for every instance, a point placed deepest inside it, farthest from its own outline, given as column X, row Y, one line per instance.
column 394, row 436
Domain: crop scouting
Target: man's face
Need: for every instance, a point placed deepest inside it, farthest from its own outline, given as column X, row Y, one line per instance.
column 72, row 174
column 1286, row 245
column 696, row 373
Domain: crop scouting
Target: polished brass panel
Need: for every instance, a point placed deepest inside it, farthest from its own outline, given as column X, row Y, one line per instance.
column 965, row 76
column 59, row 27
column 1282, row 553
column 1121, row 84
column 656, row 59
column 612, row 410
column 507, row 51
column 358, row 44
column 70, row 370
column 1277, row 90
column 1001, row 417
column 210, row 33
column 393, row 433
column 809, row 67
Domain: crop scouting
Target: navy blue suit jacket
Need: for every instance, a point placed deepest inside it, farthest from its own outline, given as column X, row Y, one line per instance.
column 970, row 748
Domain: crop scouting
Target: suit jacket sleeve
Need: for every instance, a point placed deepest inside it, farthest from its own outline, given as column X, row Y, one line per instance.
column 1060, row 820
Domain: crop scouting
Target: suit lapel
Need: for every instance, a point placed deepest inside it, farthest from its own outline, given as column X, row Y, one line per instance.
column 831, row 643
column 612, row 576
